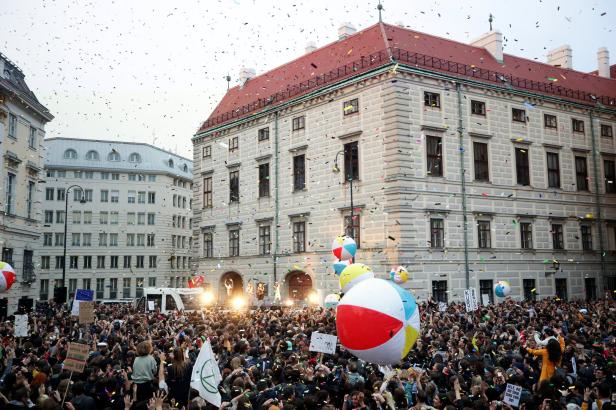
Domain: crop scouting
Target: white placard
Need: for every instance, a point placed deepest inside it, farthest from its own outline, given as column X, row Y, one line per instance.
column 512, row 395
column 485, row 299
column 151, row 305
column 470, row 300
column 322, row 342
column 442, row 307
column 21, row 325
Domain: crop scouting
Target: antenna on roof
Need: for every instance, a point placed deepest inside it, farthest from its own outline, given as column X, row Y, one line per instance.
column 491, row 19
column 380, row 8
column 228, row 78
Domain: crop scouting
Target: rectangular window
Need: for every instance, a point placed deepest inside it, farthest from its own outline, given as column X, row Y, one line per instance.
column 234, row 186
column 12, row 125
column 87, row 262
column 208, row 245
column 484, row 235
column 130, row 218
column 526, row 235
column 30, row 199
column 89, row 175
column 60, row 217
column 100, row 288
column 51, row 173
column 234, row 242
column 78, row 194
column 100, row 262
column 87, row 239
column 553, row 170
column 299, row 172
column 434, row 151
column 486, row 288
column 151, row 218
column 299, row 123
column 104, row 175
column 48, row 217
column 151, row 178
column 77, row 174
column 130, row 239
column 76, row 239
column 127, row 261
column 140, row 239
column 141, row 218
column 439, row 291
column 437, row 233
column 350, row 107
column 529, row 289
column 151, row 282
column 265, row 240
column 351, row 161
column 45, row 262
column 103, row 217
column 11, row 181
column 558, row 237
column 47, row 239
column 561, row 288
column 59, row 239
column 518, row 115
column 207, row 192
column 61, row 194
column 114, row 261
column 151, row 240
column 549, row 121
column 132, row 177
column 264, row 184
column 7, row 255
column 140, row 262
column 480, row 152
column 86, row 284
column 115, row 177
column 581, row 173
column 104, row 195
column 44, row 290
column 432, row 99
column 577, row 125
column 126, row 285
column 113, row 288
column 152, row 261
column 606, row 131
column 76, row 217
column 299, row 237
column 263, row 134
column 102, row 239
column 478, row 108
column 141, row 197
column 522, row 167
column 609, row 170
column 207, row 151
column 151, row 197
column 114, row 218
column 59, row 262
column 115, row 196
column 131, row 196
column 49, row 194
column 586, row 231
column 113, row 239
column 72, row 287
column 87, row 217
column 73, row 262
column 352, row 228
column 234, row 144
column 61, row 174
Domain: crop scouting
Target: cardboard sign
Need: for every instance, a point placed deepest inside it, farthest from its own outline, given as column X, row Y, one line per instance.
column 322, row 342
column 76, row 357
column 86, row 312
column 21, row 325
column 512, row 395
column 151, row 305
column 80, row 296
column 470, row 300
column 485, row 299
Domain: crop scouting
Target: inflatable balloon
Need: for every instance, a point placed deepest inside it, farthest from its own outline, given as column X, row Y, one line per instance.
column 353, row 274
column 196, row 282
column 399, row 275
column 7, row 277
column 340, row 265
column 378, row 321
column 331, row 300
column 502, row 289
column 344, row 247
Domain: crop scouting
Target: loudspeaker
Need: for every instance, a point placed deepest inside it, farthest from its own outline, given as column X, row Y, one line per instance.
column 59, row 294
column 24, row 304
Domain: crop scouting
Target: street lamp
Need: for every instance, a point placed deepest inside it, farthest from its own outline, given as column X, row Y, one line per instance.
column 349, row 177
column 82, row 201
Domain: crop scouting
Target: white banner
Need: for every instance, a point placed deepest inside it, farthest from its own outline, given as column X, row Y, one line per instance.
column 206, row 375
column 21, row 326
column 322, row 342
column 470, row 300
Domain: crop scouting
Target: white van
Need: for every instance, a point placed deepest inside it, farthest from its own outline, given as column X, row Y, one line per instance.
column 171, row 299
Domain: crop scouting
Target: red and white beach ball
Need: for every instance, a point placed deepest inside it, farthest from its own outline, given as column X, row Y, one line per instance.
column 7, row 277
column 344, row 247
column 378, row 321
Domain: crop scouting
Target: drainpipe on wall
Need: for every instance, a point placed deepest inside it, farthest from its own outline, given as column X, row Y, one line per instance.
column 597, row 195
column 463, row 187
column 276, row 218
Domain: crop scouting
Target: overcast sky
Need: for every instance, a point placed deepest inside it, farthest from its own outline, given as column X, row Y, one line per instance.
column 152, row 71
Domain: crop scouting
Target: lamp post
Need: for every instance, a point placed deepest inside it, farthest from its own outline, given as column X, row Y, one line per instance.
column 349, row 177
column 82, row 201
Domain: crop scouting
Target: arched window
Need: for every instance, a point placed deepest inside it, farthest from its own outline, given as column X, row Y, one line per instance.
column 134, row 157
column 70, row 154
column 113, row 156
column 170, row 163
column 92, row 155
column 185, row 168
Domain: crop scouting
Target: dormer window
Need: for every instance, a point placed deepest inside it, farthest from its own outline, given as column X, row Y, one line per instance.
column 134, row 157
column 92, row 156
column 114, row 156
column 70, row 154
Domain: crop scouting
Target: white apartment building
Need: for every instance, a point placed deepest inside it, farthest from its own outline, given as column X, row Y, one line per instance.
column 468, row 166
column 133, row 229
column 22, row 129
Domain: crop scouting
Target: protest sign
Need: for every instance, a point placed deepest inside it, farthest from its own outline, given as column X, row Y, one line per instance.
column 512, row 395
column 86, row 311
column 322, row 342
column 21, row 325
column 76, row 357
column 485, row 299
column 81, row 295
column 470, row 300
column 442, row 307
column 151, row 305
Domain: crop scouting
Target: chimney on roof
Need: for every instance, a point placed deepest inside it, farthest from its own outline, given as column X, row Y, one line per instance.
column 492, row 41
column 345, row 30
column 561, row 57
column 246, row 74
column 603, row 61
column 310, row 47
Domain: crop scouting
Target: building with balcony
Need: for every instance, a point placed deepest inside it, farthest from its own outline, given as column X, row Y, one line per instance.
column 468, row 166
column 132, row 231
column 22, row 129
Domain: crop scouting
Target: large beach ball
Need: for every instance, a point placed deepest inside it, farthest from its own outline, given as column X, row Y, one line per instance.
column 340, row 265
column 399, row 275
column 502, row 289
column 344, row 247
column 378, row 321
column 331, row 300
column 353, row 274
column 7, row 277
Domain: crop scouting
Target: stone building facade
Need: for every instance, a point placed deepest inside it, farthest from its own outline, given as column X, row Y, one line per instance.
column 536, row 207
column 22, row 129
column 133, row 230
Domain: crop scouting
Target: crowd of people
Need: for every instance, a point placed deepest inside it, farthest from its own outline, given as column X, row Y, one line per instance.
column 561, row 354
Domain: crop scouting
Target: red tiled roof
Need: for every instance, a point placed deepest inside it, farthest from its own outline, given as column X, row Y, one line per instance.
column 370, row 49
